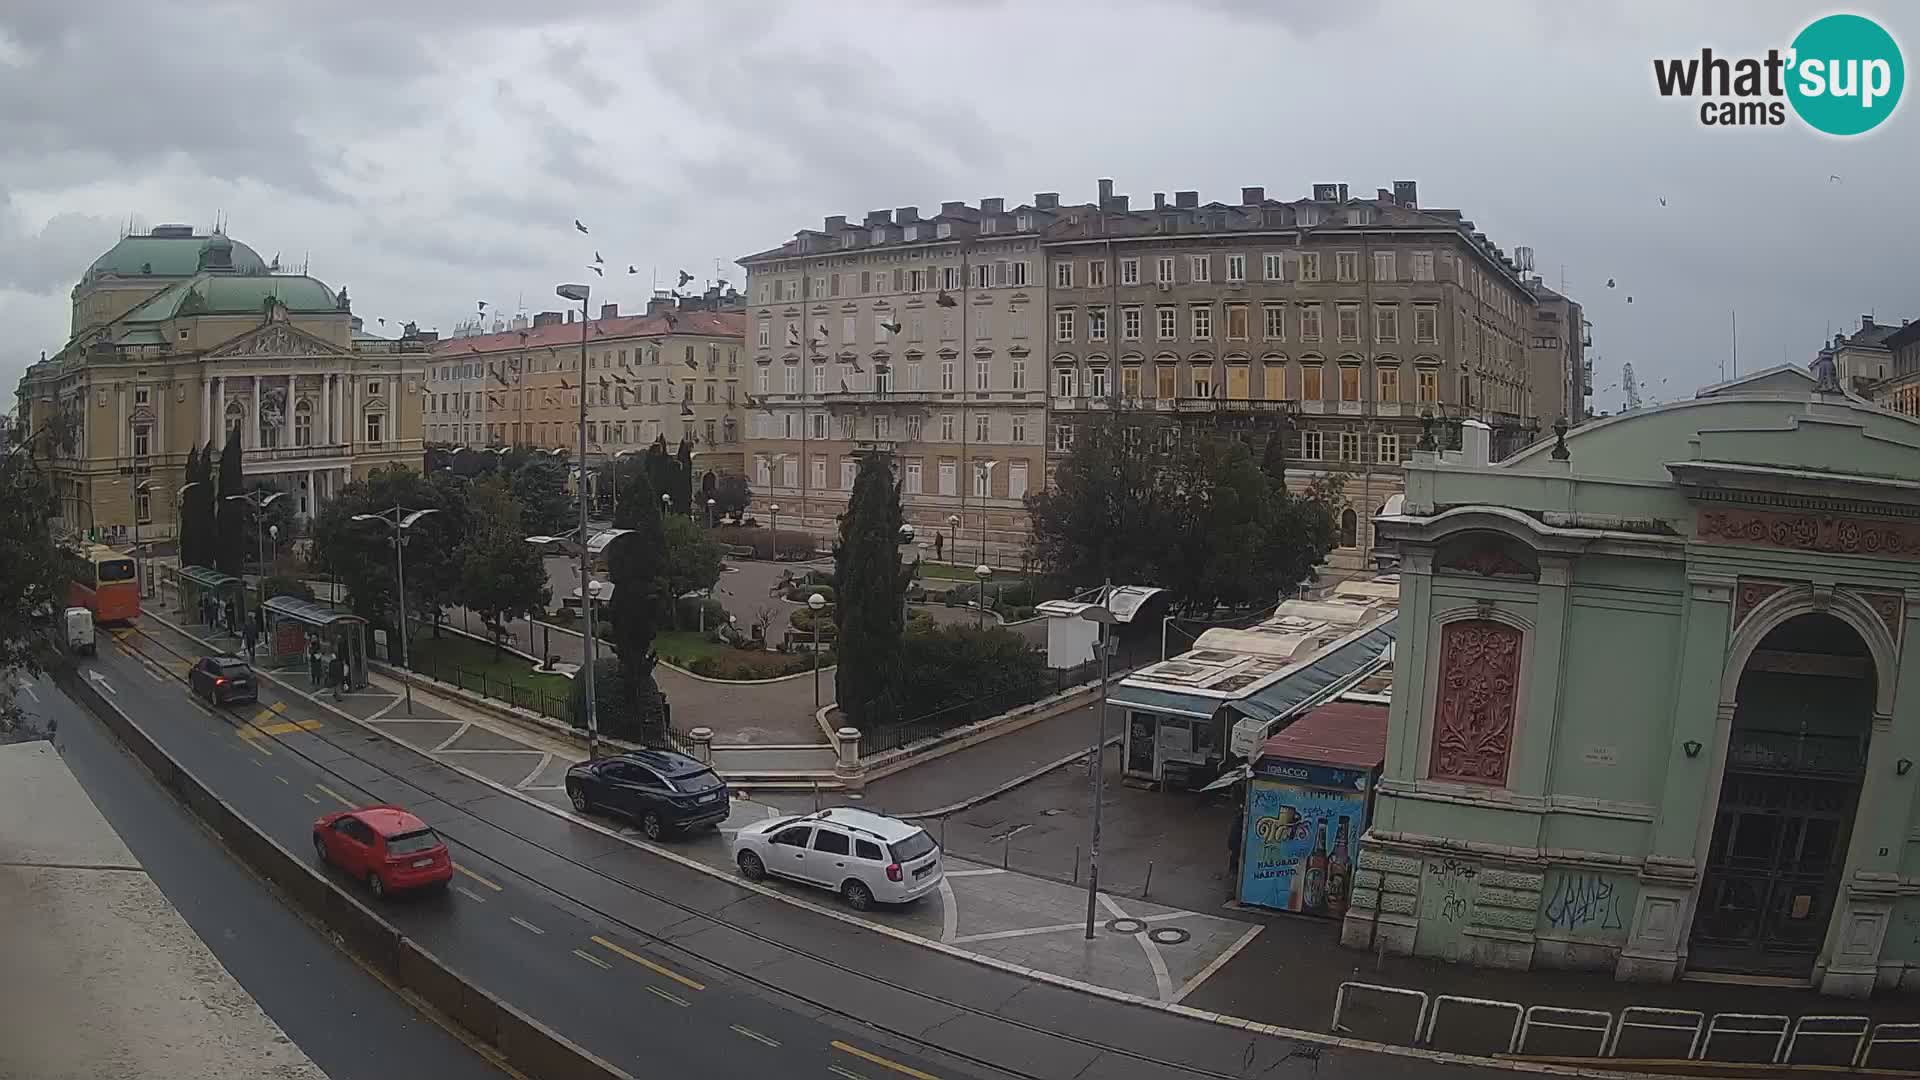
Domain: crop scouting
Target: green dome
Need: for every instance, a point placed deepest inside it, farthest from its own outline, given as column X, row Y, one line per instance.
column 230, row 294
column 172, row 251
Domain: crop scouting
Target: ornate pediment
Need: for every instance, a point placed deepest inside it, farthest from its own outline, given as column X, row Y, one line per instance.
column 275, row 339
column 1486, row 555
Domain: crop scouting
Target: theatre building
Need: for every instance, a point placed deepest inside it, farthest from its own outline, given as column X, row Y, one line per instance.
column 1650, row 713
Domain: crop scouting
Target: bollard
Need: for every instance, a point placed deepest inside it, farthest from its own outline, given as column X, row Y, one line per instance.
column 943, row 832
column 1006, row 842
column 1076, row 864
column 1147, row 889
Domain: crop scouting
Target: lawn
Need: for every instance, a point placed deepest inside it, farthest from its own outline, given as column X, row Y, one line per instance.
column 948, row 572
column 474, row 665
column 688, row 649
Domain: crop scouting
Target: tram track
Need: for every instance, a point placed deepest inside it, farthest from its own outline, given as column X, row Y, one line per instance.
column 1294, row 1051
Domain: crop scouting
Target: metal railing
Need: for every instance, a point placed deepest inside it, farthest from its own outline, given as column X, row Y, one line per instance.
column 1639, row 1032
column 524, row 695
column 885, row 737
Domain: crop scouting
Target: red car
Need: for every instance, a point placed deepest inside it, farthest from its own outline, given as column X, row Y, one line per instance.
column 388, row 848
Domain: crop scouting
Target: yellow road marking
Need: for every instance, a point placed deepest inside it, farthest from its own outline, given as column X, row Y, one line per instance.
column 754, row 1035
column 674, row 998
column 270, row 711
column 648, row 964
column 525, row 925
column 285, row 727
column 335, row 796
column 592, row 959
column 883, row 1062
column 476, row 877
column 310, row 798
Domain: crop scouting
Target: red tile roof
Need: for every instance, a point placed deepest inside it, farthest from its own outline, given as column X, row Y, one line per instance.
column 1347, row 734
column 699, row 323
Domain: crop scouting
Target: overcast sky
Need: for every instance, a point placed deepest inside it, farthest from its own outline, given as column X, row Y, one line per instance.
column 429, row 154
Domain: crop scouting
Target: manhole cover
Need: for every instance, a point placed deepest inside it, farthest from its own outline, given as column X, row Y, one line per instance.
column 1125, row 926
column 1168, row 935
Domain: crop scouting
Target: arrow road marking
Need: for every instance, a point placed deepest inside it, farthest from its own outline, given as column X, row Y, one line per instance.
column 104, row 684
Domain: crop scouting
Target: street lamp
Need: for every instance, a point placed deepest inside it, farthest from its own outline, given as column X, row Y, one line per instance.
column 145, row 567
column 260, row 500
column 816, row 603
column 711, row 503
column 1105, row 617
column 953, row 534
column 580, row 293
column 983, row 572
column 773, row 513
column 400, row 519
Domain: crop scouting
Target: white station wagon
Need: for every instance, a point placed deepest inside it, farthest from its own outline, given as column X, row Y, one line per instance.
column 863, row 856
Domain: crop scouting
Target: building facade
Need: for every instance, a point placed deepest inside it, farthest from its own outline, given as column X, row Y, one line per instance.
column 922, row 337
column 182, row 340
column 1651, row 712
column 675, row 372
column 1333, row 322
column 1560, row 371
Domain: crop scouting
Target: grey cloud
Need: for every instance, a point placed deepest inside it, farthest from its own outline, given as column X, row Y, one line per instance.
column 568, row 64
column 48, row 258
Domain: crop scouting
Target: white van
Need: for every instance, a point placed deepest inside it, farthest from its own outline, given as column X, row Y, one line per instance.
column 78, row 624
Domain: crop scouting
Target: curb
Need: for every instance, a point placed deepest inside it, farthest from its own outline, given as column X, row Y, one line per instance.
column 1065, row 982
column 993, row 793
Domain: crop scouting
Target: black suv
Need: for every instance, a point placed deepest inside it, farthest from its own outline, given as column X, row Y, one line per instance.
column 662, row 790
column 223, row 680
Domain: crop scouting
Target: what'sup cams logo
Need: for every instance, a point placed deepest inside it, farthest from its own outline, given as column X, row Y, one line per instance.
column 1842, row 75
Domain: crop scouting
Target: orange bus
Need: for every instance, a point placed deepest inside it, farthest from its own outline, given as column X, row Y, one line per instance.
column 104, row 582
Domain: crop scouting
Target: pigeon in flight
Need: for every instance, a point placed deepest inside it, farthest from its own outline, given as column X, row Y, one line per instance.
column 693, row 364
column 597, row 270
column 891, row 327
column 577, row 225
column 1609, row 283
column 1629, row 299
column 684, row 278
column 632, row 269
column 1834, row 179
column 1663, row 202
column 483, row 305
column 946, row 299
column 597, row 258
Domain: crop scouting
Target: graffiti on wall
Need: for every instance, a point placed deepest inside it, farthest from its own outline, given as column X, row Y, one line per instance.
column 1585, row 902
column 1450, row 884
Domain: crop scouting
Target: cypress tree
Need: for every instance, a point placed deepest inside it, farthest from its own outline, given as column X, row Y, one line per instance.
column 188, row 537
column 683, row 481
column 870, row 587
column 230, row 517
column 636, row 565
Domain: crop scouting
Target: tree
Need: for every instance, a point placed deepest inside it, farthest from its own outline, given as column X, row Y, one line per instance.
column 360, row 553
column 693, row 560
column 636, row 566
column 870, row 586
column 1273, row 458
column 190, row 553
column 1220, row 512
column 1102, row 518
column 502, row 577
column 230, row 517
column 662, row 475
column 279, row 516
column 683, row 479
column 32, row 573
column 539, row 485
column 732, row 494
column 944, row 665
column 197, row 513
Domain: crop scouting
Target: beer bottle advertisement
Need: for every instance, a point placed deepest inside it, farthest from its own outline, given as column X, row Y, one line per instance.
column 1283, row 822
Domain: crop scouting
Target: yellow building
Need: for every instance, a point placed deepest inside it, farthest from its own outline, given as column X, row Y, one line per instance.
column 180, row 340
column 674, row 372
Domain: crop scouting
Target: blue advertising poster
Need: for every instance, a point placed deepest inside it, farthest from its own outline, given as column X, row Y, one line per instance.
column 1299, row 846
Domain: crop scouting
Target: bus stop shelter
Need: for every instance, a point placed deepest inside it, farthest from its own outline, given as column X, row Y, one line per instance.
column 295, row 625
column 211, row 598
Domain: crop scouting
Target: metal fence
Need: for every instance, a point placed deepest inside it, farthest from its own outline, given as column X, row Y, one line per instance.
column 887, row 737
column 1644, row 1034
column 528, row 696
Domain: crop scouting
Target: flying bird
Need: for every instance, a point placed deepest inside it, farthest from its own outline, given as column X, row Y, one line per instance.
column 577, row 225
column 382, row 322
column 597, row 258
column 890, row 327
column 692, row 363
column 1833, row 179
column 483, row 305
column 1609, row 283
column 1663, row 202
column 684, row 278
column 945, row 299
column 1629, row 299
column 597, row 270
column 632, row 269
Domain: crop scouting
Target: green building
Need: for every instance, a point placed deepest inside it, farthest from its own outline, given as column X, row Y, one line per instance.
column 1649, row 713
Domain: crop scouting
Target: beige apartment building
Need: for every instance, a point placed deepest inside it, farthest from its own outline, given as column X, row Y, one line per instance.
column 921, row 336
column 180, row 340
column 1335, row 322
column 1562, row 373
column 675, row 372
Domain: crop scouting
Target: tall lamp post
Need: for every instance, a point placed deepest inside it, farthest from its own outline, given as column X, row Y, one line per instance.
column 773, row 514
column 259, row 500
column 711, row 503
column 816, row 603
column 579, row 293
column 400, row 519
column 1103, row 615
column 140, row 489
column 953, row 536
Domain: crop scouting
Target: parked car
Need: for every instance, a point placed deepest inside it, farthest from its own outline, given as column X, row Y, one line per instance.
column 660, row 790
column 223, row 680
column 388, row 848
column 866, row 857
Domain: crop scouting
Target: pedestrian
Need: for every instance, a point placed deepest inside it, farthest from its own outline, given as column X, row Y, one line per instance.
column 314, row 670
column 252, row 637
column 338, row 676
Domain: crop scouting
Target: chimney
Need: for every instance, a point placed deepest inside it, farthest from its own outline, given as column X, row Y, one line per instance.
column 569, row 316
column 1343, row 193
column 836, row 223
column 906, row 215
column 1106, row 192
column 1382, row 196
column 546, row 318
column 1406, row 193
column 1476, row 443
column 1252, row 196
column 1159, row 200
column 1046, row 200
column 1866, row 323
column 1120, row 203
column 949, row 209
column 1186, row 200
column 658, row 306
column 993, row 206
column 609, row 311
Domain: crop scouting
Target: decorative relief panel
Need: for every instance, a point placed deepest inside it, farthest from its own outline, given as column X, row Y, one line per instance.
column 1486, row 556
column 1886, row 605
column 1479, row 691
column 1751, row 594
column 1827, row 533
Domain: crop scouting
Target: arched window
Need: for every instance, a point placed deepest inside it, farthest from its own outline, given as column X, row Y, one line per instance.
column 1349, row 528
column 236, row 420
column 303, row 424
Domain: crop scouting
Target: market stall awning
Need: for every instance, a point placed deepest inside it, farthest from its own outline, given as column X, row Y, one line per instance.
column 309, row 612
column 1310, row 683
column 1171, row 702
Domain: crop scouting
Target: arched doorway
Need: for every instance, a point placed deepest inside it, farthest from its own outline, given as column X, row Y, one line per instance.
column 1796, row 757
column 1349, row 528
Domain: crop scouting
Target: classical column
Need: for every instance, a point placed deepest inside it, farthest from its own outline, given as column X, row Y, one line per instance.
column 220, row 416
column 252, row 440
column 313, row 493
column 352, row 392
column 120, row 412
column 326, row 410
column 206, row 409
